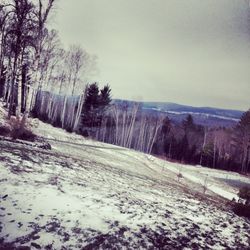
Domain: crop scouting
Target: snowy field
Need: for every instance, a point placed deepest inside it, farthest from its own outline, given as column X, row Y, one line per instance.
column 84, row 194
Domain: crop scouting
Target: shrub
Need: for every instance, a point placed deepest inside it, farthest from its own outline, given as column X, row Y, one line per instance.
column 242, row 208
column 20, row 128
column 179, row 176
column 27, row 135
column 85, row 133
column 244, row 193
column 45, row 145
column 4, row 130
column 205, row 184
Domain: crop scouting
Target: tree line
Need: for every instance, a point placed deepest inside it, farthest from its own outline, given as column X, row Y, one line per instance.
column 95, row 115
column 129, row 126
column 79, row 113
column 216, row 147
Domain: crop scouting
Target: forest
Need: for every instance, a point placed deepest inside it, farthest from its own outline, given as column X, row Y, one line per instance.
column 40, row 78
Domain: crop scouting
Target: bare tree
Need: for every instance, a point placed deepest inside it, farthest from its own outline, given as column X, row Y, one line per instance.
column 51, row 50
column 78, row 64
column 22, row 28
column 19, row 37
column 42, row 12
column 153, row 132
column 3, row 29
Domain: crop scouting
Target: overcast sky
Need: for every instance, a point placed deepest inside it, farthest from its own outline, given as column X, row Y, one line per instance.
column 185, row 51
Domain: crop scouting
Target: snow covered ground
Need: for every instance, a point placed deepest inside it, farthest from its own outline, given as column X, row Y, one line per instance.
column 84, row 194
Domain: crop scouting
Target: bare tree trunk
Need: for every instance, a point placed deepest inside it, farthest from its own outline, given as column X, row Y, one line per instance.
column 1, row 50
column 12, row 89
column 158, row 125
column 132, row 124
column 204, row 143
column 116, row 114
column 78, row 113
column 244, row 159
column 141, row 134
column 214, row 155
column 123, row 128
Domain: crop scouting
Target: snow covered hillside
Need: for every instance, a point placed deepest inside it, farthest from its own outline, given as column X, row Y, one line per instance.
column 84, row 194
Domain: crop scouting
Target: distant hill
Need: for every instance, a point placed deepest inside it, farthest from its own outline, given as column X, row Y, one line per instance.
column 202, row 115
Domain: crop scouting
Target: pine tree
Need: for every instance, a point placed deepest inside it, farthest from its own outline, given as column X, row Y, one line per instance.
column 105, row 96
column 183, row 148
column 92, row 97
column 188, row 123
column 94, row 105
column 207, row 153
column 166, row 126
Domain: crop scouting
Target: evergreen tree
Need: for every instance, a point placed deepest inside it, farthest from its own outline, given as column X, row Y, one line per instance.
column 94, row 105
column 192, row 154
column 90, row 104
column 183, row 148
column 172, row 150
column 92, row 97
column 188, row 123
column 105, row 96
column 166, row 126
column 163, row 140
column 207, row 153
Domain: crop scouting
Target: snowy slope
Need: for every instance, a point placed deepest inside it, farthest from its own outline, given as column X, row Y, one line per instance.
column 88, row 195
column 223, row 183
column 217, row 180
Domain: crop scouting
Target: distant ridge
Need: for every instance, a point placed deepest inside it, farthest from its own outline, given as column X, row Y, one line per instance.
column 202, row 115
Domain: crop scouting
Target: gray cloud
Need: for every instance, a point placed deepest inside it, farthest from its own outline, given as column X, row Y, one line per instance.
column 192, row 52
